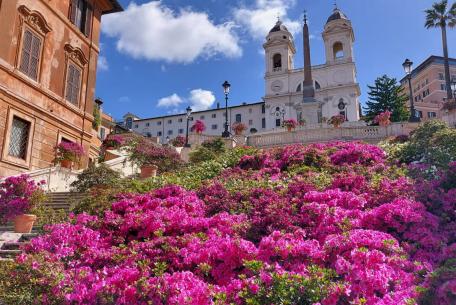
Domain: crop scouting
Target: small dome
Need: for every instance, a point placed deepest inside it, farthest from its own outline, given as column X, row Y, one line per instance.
column 279, row 26
column 336, row 15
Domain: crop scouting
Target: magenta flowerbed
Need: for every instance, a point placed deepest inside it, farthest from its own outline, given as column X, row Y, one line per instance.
column 320, row 224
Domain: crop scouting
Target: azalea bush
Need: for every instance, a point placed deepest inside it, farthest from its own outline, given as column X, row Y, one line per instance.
column 238, row 128
column 19, row 195
column 70, row 151
column 290, row 123
column 199, row 127
column 383, row 119
column 113, row 141
column 178, row 141
column 336, row 120
column 326, row 224
column 209, row 150
column 143, row 152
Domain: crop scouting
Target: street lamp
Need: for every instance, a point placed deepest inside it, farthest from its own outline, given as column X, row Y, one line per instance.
column 226, row 89
column 189, row 112
column 408, row 70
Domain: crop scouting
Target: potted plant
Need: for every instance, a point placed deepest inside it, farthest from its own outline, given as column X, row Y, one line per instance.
column 178, row 141
column 198, row 127
column 383, row 119
column 68, row 153
column 337, row 120
column 290, row 124
column 152, row 158
column 19, row 197
column 302, row 122
column 113, row 142
column 238, row 128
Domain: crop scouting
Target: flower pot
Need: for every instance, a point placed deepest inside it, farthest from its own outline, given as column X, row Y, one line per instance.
column 66, row 163
column 110, row 148
column 148, row 171
column 24, row 223
column 289, row 128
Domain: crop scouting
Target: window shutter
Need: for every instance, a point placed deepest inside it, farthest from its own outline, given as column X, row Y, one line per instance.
column 73, row 6
column 76, row 86
column 35, row 57
column 26, row 52
column 88, row 20
column 69, row 84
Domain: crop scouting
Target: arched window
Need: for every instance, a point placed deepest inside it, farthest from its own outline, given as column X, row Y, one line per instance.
column 317, row 85
column 277, row 62
column 299, row 88
column 338, row 50
column 129, row 122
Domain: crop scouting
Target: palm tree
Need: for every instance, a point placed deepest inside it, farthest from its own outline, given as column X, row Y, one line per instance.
column 441, row 16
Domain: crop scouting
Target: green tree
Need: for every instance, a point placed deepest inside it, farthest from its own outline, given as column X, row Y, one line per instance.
column 386, row 94
column 441, row 15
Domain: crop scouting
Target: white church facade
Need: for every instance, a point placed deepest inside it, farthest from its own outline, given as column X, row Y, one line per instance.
column 310, row 95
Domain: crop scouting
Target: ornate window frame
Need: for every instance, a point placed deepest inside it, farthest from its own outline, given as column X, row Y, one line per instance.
column 76, row 57
column 37, row 24
column 24, row 163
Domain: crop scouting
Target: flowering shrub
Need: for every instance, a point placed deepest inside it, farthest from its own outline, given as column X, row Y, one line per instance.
column 238, row 128
column 71, row 151
column 114, row 141
column 290, row 123
column 178, row 141
column 336, row 120
column 324, row 224
column 198, row 127
column 144, row 152
column 383, row 119
column 19, row 195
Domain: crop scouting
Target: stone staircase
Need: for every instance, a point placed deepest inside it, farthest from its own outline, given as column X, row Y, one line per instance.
column 10, row 243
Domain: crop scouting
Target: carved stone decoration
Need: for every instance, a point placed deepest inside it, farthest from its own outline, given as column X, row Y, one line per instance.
column 34, row 19
column 76, row 55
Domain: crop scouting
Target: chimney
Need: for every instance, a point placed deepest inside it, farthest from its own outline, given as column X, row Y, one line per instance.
column 218, row 105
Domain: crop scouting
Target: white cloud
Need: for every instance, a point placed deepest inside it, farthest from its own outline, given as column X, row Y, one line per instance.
column 173, row 100
column 124, row 99
column 201, row 99
column 198, row 99
column 103, row 63
column 259, row 19
column 155, row 32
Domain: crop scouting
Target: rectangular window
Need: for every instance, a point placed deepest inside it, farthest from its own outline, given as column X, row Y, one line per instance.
column 263, row 123
column 147, row 124
column 420, row 113
column 31, row 51
column 202, row 117
column 102, row 133
column 441, row 77
column 190, row 118
column 181, row 131
column 443, row 87
column 19, row 137
column 250, row 122
column 170, row 132
column 159, row 134
column 263, row 108
column 250, row 110
column 136, row 126
column 278, row 123
column 159, row 123
column 73, row 84
column 238, row 118
column 81, row 13
column 214, row 127
column 214, row 115
column 170, row 121
column 432, row 115
column 180, row 120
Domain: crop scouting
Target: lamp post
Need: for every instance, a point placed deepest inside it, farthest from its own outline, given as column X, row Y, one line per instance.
column 226, row 89
column 189, row 112
column 408, row 70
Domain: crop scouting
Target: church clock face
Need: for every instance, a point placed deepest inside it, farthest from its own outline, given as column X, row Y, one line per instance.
column 277, row 86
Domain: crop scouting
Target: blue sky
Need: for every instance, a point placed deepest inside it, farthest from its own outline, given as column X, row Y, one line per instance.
column 158, row 57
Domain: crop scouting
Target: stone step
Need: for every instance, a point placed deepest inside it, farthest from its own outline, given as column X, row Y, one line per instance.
column 9, row 253
column 12, row 245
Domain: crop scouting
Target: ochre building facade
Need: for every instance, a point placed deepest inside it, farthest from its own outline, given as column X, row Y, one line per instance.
column 48, row 61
